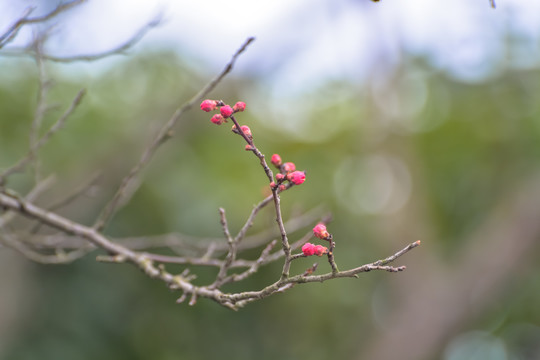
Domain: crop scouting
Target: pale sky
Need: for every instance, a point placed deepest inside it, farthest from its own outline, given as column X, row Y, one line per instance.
column 305, row 42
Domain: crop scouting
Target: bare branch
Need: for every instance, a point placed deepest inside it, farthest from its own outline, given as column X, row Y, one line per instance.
column 45, row 138
column 254, row 267
column 231, row 254
column 41, row 109
column 82, row 239
column 38, row 189
column 35, row 52
column 182, row 243
column 122, row 254
column 70, row 197
column 249, row 222
column 12, row 32
column 120, row 49
column 241, row 299
column 60, row 257
column 165, row 133
column 81, row 190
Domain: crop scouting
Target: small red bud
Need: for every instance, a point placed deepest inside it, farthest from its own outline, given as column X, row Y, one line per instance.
column 320, row 231
column 249, row 147
column 280, row 177
column 320, row 250
column 276, row 160
column 217, row 119
column 239, row 106
column 282, row 187
column 208, row 105
column 289, row 167
column 226, row 111
column 297, row 177
column 272, row 184
column 246, row 130
column 308, row 249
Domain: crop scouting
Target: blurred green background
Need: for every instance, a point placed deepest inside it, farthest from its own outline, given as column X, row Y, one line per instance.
column 415, row 154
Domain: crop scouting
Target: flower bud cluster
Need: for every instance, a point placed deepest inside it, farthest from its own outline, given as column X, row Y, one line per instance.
column 309, row 249
column 225, row 111
column 320, row 232
column 287, row 171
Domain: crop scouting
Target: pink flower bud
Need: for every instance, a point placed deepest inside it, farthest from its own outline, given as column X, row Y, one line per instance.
column 320, row 250
column 289, row 167
column 282, row 187
column 226, row 111
column 280, row 177
column 208, row 105
column 217, row 119
column 276, row 160
column 308, row 249
column 320, row 231
column 249, row 147
column 272, row 184
column 246, row 130
column 239, row 106
column 297, row 177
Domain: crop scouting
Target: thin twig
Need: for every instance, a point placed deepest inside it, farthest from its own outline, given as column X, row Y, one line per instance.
column 120, row 49
column 166, row 132
column 11, row 33
column 396, row 255
column 60, row 257
column 45, row 138
column 254, row 267
column 123, row 254
column 231, row 254
column 284, row 284
column 70, row 197
column 80, row 190
column 41, row 109
column 182, row 243
column 249, row 222
column 38, row 189
column 275, row 195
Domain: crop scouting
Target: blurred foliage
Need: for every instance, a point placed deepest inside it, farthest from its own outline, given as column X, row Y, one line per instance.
column 460, row 147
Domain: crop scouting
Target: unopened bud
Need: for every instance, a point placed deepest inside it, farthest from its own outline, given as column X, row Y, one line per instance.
column 320, row 231
column 208, row 105
column 320, row 250
column 289, row 167
column 308, row 249
column 276, row 160
column 239, row 106
column 297, row 177
column 217, row 119
column 226, row 111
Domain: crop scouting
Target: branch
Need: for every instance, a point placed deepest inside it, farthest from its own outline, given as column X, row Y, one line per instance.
column 45, row 138
column 154, row 265
column 120, row 254
column 120, row 49
column 284, row 284
column 12, row 32
column 165, row 133
column 60, row 257
column 182, row 243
